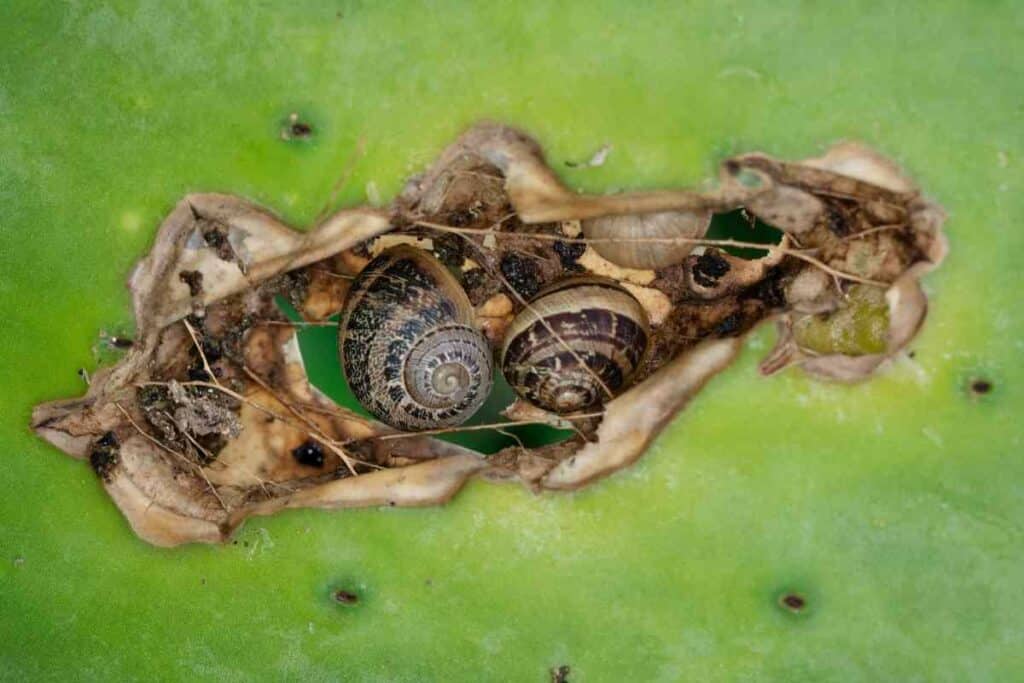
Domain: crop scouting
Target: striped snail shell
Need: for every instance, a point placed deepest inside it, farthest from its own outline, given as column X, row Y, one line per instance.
column 408, row 346
column 646, row 255
column 576, row 345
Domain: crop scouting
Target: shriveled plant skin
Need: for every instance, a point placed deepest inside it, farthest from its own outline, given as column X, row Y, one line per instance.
column 887, row 508
column 211, row 417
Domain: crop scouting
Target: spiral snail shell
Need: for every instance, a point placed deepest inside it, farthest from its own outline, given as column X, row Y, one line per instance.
column 577, row 344
column 408, row 346
column 646, row 255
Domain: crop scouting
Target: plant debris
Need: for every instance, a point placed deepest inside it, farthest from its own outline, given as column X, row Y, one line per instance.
column 209, row 416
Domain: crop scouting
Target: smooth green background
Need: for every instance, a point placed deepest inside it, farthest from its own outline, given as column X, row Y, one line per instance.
column 894, row 506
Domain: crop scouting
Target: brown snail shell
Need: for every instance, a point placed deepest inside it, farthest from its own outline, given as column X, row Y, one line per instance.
column 408, row 346
column 576, row 345
column 646, row 255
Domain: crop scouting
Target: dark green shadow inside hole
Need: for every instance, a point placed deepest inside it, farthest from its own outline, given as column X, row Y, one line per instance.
column 319, row 347
column 743, row 227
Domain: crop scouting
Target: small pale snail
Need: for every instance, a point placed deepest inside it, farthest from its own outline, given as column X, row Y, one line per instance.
column 646, row 255
column 408, row 346
column 576, row 345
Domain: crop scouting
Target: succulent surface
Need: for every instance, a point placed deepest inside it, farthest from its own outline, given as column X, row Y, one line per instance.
column 782, row 528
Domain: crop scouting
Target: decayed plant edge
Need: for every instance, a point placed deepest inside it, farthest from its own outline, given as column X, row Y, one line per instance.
column 265, row 247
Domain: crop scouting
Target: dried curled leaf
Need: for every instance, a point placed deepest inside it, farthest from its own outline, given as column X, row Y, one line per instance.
column 210, row 417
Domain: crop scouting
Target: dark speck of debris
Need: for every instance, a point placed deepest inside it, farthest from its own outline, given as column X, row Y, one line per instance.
column 729, row 325
column 194, row 280
column 708, row 267
column 212, row 350
column 295, row 128
column 793, row 602
column 980, row 387
column 448, row 250
column 521, row 273
column 461, row 217
column 560, row 674
column 123, row 342
column 217, row 240
column 479, row 285
column 344, row 597
column 309, row 453
column 198, row 373
column 471, row 279
column 837, row 222
column 771, row 292
column 105, row 455
column 150, row 395
column 569, row 252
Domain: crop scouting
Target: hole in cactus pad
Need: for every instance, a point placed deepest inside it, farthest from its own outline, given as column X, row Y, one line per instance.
column 319, row 347
column 742, row 226
column 222, row 371
column 793, row 602
column 344, row 597
column 980, row 387
column 296, row 127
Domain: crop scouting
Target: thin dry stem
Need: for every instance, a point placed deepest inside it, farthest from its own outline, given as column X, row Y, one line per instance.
column 320, row 436
column 262, row 408
column 297, row 323
column 199, row 348
column 161, row 445
column 871, row 231
column 473, row 428
column 664, row 240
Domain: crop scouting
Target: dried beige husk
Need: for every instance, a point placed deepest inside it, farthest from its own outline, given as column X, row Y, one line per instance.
column 210, row 417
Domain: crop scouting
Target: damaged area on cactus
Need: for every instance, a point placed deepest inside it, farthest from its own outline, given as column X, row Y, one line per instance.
column 210, row 416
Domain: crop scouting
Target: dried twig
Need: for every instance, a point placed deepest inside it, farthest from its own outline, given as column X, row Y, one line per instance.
column 162, row 446
column 312, row 426
column 199, row 348
column 803, row 256
column 871, row 231
column 473, row 428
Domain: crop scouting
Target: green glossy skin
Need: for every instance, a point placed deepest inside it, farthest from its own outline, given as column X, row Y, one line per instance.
column 894, row 507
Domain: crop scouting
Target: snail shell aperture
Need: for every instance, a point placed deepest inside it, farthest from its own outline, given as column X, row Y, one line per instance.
column 408, row 346
column 576, row 345
column 646, row 255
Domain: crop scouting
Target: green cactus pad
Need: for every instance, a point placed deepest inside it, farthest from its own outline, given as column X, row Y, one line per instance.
column 782, row 529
